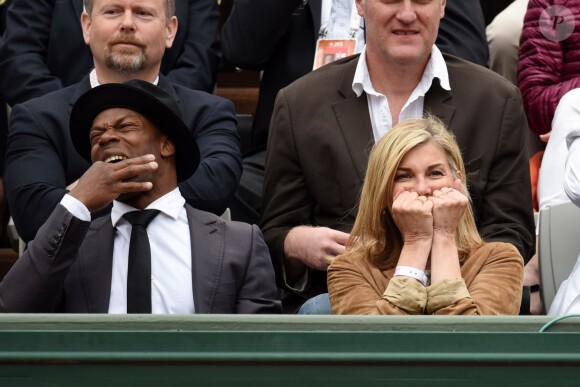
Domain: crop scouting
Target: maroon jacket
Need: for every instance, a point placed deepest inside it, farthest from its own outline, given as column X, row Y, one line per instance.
column 547, row 68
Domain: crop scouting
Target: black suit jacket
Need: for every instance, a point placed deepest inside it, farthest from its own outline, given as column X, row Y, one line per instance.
column 279, row 38
column 68, row 267
column 43, row 49
column 321, row 138
column 41, row 160
column 3, row 115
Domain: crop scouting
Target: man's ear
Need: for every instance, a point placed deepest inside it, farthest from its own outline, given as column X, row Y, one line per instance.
column 171, row 31
column 86, row 25
column 360, row 8
column 167, row 147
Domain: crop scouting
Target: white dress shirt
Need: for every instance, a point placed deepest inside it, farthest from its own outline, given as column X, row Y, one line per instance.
column 170, row 241
column 95, row 80
column 380, row 113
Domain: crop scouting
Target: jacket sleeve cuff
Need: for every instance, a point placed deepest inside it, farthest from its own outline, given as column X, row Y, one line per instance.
column 300, row 285
column 407, row 294
column 446, row 293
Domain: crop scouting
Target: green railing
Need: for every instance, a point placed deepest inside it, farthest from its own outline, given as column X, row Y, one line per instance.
column 95, row 350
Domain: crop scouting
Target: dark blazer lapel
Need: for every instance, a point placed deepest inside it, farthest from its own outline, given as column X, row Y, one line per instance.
column 207, row 253
column 439, row 102
column 96, row 264
column 316, row 11
column 166, row 85
column 352, row 114
column 81, row 87
column 78, row 7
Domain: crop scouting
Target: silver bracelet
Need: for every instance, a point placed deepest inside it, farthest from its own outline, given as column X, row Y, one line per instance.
column 412, row 272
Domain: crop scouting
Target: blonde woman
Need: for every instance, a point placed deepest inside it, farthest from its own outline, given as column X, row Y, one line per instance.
column 414, row 248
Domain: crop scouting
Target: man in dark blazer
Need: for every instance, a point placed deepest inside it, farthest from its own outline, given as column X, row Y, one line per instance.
column 282, row 45
column 140, row 148
column 3, row 133
column 321, row 135
column 41, row 161
column 43, row 48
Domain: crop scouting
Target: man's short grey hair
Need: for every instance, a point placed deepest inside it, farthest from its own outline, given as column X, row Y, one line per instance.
column 170, row 4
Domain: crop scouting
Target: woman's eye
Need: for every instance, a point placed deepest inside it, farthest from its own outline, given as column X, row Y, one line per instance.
column 401, row 177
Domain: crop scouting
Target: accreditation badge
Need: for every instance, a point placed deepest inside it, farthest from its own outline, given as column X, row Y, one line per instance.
column 329, row 50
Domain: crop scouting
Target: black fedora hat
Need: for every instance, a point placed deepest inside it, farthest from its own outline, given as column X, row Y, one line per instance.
column 144, row 98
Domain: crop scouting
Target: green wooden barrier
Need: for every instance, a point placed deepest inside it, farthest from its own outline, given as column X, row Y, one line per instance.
column 95, row 350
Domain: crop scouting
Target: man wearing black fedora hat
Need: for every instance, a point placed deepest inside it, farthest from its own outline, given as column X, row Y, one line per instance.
column 128, row 40
column 178, row 260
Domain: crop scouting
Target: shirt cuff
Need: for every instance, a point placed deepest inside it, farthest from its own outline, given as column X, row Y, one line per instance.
column 446, row 293
column 300, row 285
column 76, row 207
column 407, row 294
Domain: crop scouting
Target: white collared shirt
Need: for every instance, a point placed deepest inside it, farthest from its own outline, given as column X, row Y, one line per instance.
column 95, row 80
column 381, row 117
column 170, row 241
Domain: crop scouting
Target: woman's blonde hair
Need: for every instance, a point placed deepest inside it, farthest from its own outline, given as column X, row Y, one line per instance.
column 375, row 234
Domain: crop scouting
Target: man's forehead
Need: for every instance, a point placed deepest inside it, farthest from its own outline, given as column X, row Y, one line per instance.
column 149, row 3
column 115, row 114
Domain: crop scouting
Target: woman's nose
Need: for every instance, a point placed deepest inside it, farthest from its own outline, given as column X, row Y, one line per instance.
column 423, row 188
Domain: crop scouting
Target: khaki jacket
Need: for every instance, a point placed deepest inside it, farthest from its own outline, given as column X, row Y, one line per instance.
column 491, row 285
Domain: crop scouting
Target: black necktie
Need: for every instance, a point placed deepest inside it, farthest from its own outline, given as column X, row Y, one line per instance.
column 139, row 271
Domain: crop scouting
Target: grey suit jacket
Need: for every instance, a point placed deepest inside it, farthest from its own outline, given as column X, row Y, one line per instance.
column 321, row 136
column 68, row 266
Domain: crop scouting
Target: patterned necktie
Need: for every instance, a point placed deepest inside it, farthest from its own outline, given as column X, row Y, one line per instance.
column 139, row 272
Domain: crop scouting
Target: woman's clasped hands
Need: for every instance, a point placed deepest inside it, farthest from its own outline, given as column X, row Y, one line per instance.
column 420, row 217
